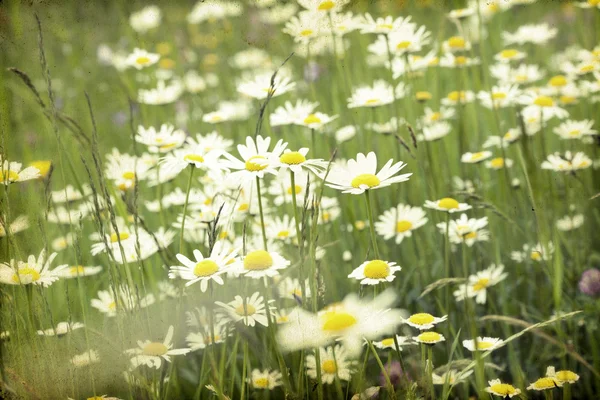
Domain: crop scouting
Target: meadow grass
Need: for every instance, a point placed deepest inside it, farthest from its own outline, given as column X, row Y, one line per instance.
column 71, row 94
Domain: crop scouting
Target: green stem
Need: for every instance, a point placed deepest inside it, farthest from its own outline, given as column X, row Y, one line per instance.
column 386, row 376
column 262, row 217
column 185, row 205
column 371, row 224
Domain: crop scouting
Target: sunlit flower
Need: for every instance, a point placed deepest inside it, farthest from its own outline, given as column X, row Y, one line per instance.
column 522, row 74
column 447, row 204
column 34, row 271
column 544, row 383
column 451, row 60
column 289, row 113
column 499, row 96
column 361, row 174
column 126, row 298
column 477, row 284
column 162, row 140
column 410, row 38
column 85, row 359
column 375, row 271
column 195, row 155
column 388, row 343
column 542, row 105
column 429, row 338
column 450, row 377
column 458, row 97
column 162, row 94
column 260, row 86
column 323, row 5
column 534, row 253
column 12, row 172
column 140, row 58
column 306, row 26
column 229, row 111
column 423, row 321
column 200, row 340
column 473, row 158
column 297, row 161
column 536, row 34
column 575, row 129
column 266, row 379
column 350, row 321
column 256, row 160
column 567, row 163
column 434, row 131
column 19, row 224
column 334, row 364
column 568, row 223
column 483, row 344
column 499, row 163
column 74, row 271
column 125, row 169
column 250, row 310
column 503, row 390
column 563, row 376
column 152, row 354
column 61, row 329
column 399, row 222
column 381, row 93
column 145, row 19
column 383, row 25
column 261, row 263
column 204, row 269
column 214, row 10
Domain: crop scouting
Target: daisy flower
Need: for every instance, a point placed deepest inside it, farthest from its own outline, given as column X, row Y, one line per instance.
column 477, row 284
column 575, row 129
column 266, row 379
column 334, row 364
column 289, row 113
column 306, row 26
column 323, row 5
column 542, row 105
column 423, row 321
column 256, row 160
column 409, row 39
column 429, row 338
column 75, row 271
column 19, row 224
column 538, row 252
column 499, row 96
column 290, row 288
column 85, row 359
column 296, row 161
column 522, row 74
column 568, row 223
column 483, row 344
column 399, row 222
column 544, row 383
column 499, row 163
column 200, row 340
column 465, row 230
column 70, row 193
column 194, row 155
column 383, row 25
column 511, row 136
column 315, row 120
column 163, row 140
column 152, row 354
column 361, row 174
column 374, row 272
column 12, row 172
column 381, row 93
column 456, row 44
column 250, row 310
column 260, row 86
column 458, row 97
column 450, row 60
column 432, row 117
column 34, row 271
column 261, row 263
column 229, row 111
column 162, row 94
column 350, row 321
column 567, row 163
column 450, row 377
column 203, row 269
column 447, row 204
column 434, row 131
column 562, row 376
column 280, row 228
column 388, row 343
column 127, row 299
column 536, row 34
column 125, row 169
column 145, row 19
column 140, row 59
column 502, row 389
column 474, row 158
column 61, row 329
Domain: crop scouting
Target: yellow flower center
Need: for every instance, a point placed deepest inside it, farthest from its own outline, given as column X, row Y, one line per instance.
column 477, row 156
column 387, row 342
column 312, row 119
column 457, row 42
column 484, row 345
column 430, row 337
column 497, row 162
column 544, row 101
column 448, row 203
column 258, row 260
column 112, row 305
column 216, row 118
column 387, row 27
column 456, row 96
column 422, row 96
column 436, row 116
column 205, row 268
column 163, row 48
column 142, row 60
column 421, row 319
column 509, row 53
column 498, row 96
column 128, row 175
column 460, row 60
column 372, row 101
column 377, row 269
column 122, row 236
column 566, row 376
column 155, row 349
column 9, row 176
column 166, row 63
column 558, row 80
column 261, row 383
column 469, row 235
column 481, row 284
column 403, row 45
column 76, row 270
column 306, row 32
column 256, row 163
column 194, row 158
column 245, row 311
column 243, row 207
column 586, row 68
column 545, row 383
column 502, row 389
column 536, row 255
column 521, row 78
column 292, row 157
column 167, row 146
column 403, row 226
column 365, row 179
column 338, row 320
column 329, row 367
column 326, row 5
column 575, row 132
column 283, row 234
column 296, row 188
column 23, row 272
column 42, row 166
